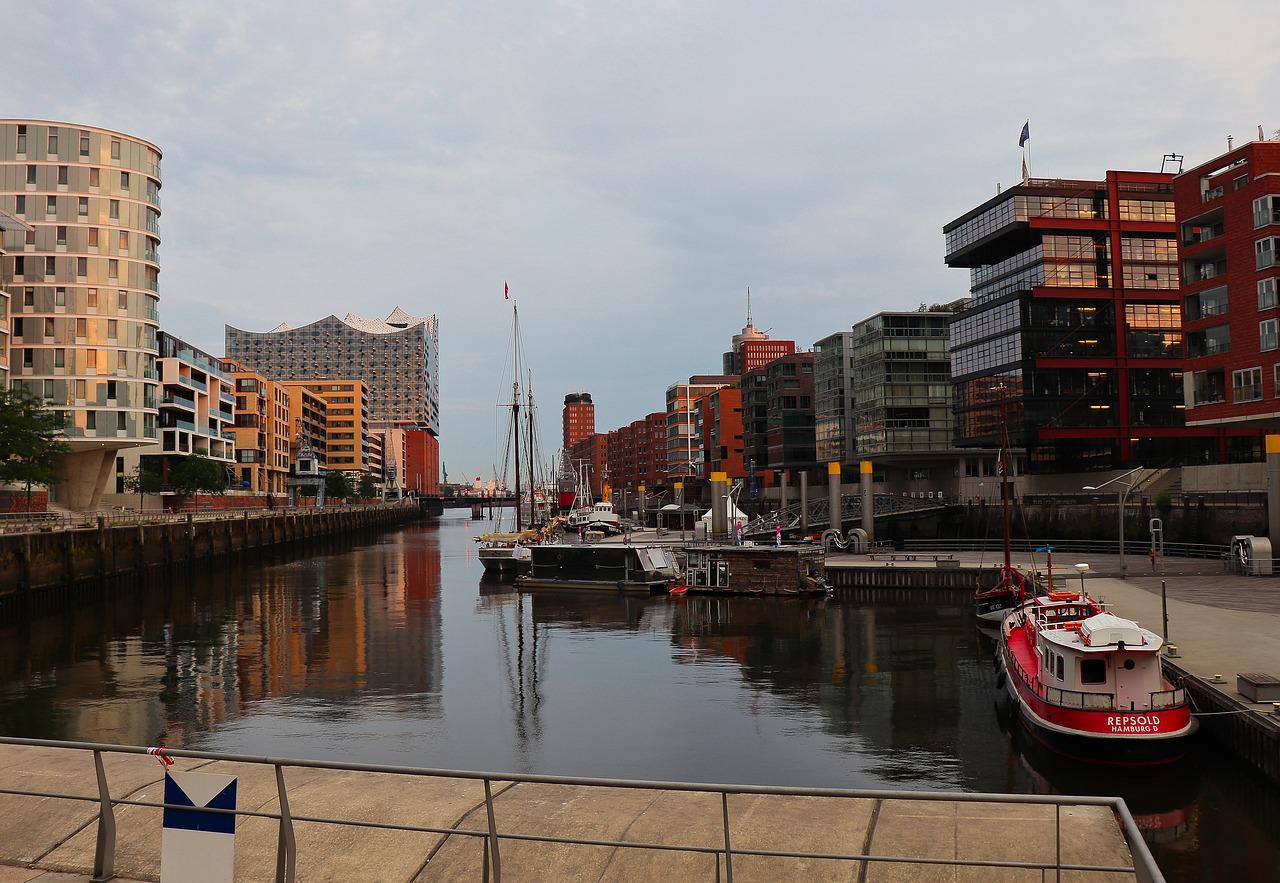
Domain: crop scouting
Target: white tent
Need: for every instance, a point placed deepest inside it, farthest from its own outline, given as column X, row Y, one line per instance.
column 736, row 517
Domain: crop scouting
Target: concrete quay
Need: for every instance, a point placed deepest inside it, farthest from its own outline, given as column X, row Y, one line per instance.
column 45, row 839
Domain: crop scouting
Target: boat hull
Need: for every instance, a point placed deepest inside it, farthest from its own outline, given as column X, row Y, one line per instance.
column 501, row 562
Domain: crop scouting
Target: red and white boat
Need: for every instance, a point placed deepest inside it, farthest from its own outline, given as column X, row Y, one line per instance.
column 1090, row 683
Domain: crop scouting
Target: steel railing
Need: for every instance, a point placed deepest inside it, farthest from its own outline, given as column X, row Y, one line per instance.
column 1139, row 547
column 1143, row 867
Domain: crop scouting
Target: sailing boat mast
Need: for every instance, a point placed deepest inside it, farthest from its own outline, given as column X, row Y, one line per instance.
column 1002, row 464
column 515, row 423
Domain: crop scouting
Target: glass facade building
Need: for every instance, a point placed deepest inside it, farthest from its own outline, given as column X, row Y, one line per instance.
column 395, row 358
column 833, row 399
column 1074, row 328
column 84, row 288
column 902, row 375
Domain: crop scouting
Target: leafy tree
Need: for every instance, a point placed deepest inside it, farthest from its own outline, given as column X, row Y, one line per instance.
column 368, row 488
column 337, row 486
column 31, row 446
column 143, row 481
column 197, row 473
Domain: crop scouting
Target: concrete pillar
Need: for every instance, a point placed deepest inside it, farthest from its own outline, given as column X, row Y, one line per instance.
column 643, row 507
column 804, row 503
column 1273, row 488
column 719, row 504
column 679, row 489
column 782, row 488
column 833, row 496
column 868, row 500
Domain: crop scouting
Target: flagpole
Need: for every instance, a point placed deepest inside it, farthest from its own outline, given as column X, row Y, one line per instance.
column 1030, row 164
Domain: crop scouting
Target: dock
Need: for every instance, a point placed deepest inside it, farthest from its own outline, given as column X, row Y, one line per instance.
column 559, row 829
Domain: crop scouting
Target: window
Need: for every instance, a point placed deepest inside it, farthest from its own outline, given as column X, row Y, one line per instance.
column 53, row 143
column 62, row 235
column 82, row 328
column 124, row 241
column 48, row 390
column 20, row 207
column 115, row 149
column 93, row 297
column 93, row 237
column 1266, row 293
column 22, row 139
column 82, row 267
column 50, row 267
column 1266, row 252
column 28, row 294
column 91, row 358
column 31, row 175
column 62, row 175
column 1058, row 662
column 84, row 143
column 82, row 207
column 1246, row 385
column 1266, row 210
column 1267, row 335
column 113, row 269
column 1240, row 183
column 27, row 356
column 48, row 328
column 91, row 420
column 120, row 418
column 93, row 177
column 122, row 300
column 115, row 210
column 1093, row 671
column 51, row 205
column 80, row 387
column 59, row 358
column 113, row 329
column 124, row 180
column 60, row 297
column 122, row 361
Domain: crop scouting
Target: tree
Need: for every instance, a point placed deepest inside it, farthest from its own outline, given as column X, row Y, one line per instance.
column 337, row 486
column 368, row 488
column 143, row 481
column 31, row 446
column 197, row 473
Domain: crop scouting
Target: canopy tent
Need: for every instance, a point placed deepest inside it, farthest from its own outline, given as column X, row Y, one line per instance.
column 736, row 517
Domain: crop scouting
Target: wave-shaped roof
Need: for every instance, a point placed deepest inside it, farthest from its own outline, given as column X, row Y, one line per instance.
column 398, row 320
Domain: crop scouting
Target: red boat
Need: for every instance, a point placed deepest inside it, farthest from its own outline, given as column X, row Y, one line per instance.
column 1089, row 683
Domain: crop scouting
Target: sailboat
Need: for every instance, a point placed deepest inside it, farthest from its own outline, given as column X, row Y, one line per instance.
column 994, row 604
column 508, row 552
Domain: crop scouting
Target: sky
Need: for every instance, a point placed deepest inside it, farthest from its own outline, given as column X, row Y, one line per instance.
column 627, row 168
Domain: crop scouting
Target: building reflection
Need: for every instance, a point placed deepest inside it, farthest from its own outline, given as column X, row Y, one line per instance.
column 166, row 663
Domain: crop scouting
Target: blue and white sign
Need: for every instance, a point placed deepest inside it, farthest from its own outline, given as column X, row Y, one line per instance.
column 198, row 847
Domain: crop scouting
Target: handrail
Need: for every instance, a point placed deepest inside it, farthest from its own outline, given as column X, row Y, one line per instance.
column 1144, row 865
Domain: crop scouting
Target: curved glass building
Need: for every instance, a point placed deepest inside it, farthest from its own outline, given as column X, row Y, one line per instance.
column 84, row 287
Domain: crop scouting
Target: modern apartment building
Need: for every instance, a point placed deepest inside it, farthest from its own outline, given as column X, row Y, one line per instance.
column 720, row 422
column 592, row 452
column 635, row 453
column 395, row 359
column 347, row 415
column 684, row 454
column 8, row 224
column 833, row 398
column 261, row 429
column 578, row 419
column 422, row 462
column 1075, row 328
column 1229, row 229
column 308, row 420
column 789, row 427
column 197, row 414
column 85, row 288
column 752, row 348
column 902, row 408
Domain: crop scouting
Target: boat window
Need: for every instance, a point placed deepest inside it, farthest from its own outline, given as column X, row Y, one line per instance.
column 1060, row 668
column 1093, row 671
column 1129, row 664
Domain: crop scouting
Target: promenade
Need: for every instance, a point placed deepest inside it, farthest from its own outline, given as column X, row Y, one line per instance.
column 44, row 839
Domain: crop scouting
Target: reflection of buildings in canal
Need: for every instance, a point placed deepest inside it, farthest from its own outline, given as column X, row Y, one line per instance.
column 175, row 659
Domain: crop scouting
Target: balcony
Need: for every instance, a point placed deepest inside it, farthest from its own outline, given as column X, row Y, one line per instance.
column 1212, row 194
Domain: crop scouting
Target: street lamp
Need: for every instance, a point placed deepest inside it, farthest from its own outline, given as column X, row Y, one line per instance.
column 1124, row 495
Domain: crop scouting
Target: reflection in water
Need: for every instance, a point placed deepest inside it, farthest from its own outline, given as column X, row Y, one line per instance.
column 346, row 655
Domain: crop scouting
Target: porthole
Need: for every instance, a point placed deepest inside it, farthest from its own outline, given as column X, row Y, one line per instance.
column 1129, row 664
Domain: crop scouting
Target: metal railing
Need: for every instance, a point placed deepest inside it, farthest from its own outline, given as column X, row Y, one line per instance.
column 1143, row 867
column 1212, row 551
column 1168, row 699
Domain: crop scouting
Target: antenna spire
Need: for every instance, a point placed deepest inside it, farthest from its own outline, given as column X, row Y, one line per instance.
column 748, row 304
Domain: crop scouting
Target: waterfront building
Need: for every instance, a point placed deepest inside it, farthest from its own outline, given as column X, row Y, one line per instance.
column 395, row 359
column 720, row 421
column 635, row 453
column 8, row 224
column 752, row 348
column 902, row 410
column 422, row 462
column 346, row 421
column 308, row 421
column 85, row 286
column 684, row 454
column 261, row 429
column 1074, row 328
column 197, row 414
column 375, row 448
column 834, row 399
column 789, row 428
column 578, row 419
column 592, row 451
column 1229, row 229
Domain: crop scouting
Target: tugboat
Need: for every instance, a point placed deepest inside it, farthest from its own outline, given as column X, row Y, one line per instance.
column 1089, row 683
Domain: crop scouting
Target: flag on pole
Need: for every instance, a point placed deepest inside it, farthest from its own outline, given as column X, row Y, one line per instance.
column 1025, row 176
column 1026, row 133
column 1000, row 463
column 506, row 291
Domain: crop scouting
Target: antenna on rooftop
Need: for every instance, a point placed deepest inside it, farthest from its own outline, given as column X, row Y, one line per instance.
column 748, row 304
column 1229, row 142
column 1171, row 158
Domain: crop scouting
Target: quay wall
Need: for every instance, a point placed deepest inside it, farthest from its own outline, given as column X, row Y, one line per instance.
column 897, row 583
column 41, row 563
column 1253, row 735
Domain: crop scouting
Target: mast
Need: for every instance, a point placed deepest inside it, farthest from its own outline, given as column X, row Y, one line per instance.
column 528, row 416
column 515, row 423
column 1003, row 466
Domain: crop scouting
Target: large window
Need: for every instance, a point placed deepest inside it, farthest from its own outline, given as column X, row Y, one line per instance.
column 1266, row 293
column 1212, row 302
column 1267, row 335
column 1246, row 385
column 1209, row 341
column 1266, row 252
column 1266, row 210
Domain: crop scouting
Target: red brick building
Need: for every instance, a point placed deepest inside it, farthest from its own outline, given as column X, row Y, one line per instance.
column 635, row 453
column 593, row 451
column 1229, row 229
column 422, row 462
column 578, row 419
column 721, row 424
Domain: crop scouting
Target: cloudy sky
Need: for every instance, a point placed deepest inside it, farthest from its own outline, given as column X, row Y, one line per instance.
column 629, row 168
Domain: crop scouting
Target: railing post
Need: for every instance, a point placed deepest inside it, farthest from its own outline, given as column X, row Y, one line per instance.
column 485, row 873
column 104, row 853
column 493, row 833
column 728, row 847
column 1057, row 840
column 286, row 846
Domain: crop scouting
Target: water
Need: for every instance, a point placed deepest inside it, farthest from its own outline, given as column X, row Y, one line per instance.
column 397, row 652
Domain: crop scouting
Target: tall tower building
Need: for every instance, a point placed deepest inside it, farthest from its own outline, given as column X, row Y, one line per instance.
column 752, row 348
column 578, row 418
column 85, row 288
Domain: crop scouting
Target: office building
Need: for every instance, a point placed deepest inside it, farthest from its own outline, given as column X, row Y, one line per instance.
column 789, row 428
column 833, row 399
column 684, row 454
column 395, row 359
column 422, row 463
column 1229, row 229
column 1073, row 338
column 720, row 422
column 346, row 421
column 85, row 288
column 261, row 429
column 752, row 348
column 578, row 419
column 308, row 421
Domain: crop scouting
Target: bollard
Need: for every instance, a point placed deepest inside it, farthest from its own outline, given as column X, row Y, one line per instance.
column 719, row 504
column 804, row 503
column 868, row 501
column 835, row 514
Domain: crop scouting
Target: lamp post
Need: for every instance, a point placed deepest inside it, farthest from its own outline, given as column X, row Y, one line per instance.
column 1124, row 495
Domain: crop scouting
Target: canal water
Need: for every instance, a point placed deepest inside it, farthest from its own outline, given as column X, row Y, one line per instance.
column 394, row 650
